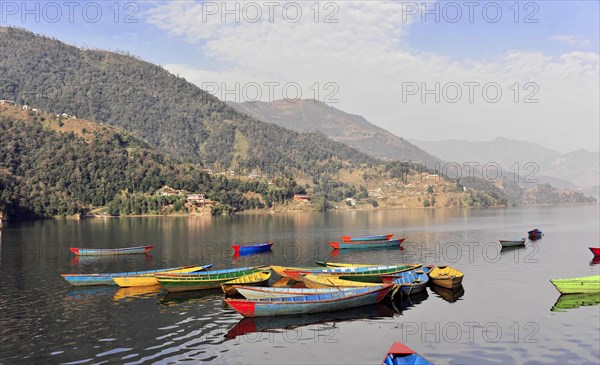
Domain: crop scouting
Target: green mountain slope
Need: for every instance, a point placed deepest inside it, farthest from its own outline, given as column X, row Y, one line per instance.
column 353, row 130
column 168, row 112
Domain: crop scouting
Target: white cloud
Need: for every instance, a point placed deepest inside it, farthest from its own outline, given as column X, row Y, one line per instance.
column 367, row 56
column 571, row 40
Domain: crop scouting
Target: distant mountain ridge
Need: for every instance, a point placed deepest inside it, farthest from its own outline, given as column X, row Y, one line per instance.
column 353, row 130
column 578, row 168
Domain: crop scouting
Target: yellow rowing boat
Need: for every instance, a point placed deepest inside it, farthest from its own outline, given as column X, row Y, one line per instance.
column 446, row 276
column 322, row 281
column 256, row 279
column 149, row 280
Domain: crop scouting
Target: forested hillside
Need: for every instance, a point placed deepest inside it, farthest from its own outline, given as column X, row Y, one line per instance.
column 168, row 112
column 53, row 166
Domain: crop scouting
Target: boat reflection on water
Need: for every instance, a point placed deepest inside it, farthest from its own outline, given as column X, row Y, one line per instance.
column 448, row 295
column 572, row 301
column 402, row 302
column 284, row 323
column 189, row 297
column 86, row 293
column 595, row 261
column 86, row 260
column 512, row 248
column 137, row 292
column 254, row 258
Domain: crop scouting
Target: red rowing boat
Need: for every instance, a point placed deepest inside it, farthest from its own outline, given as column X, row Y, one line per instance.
column 595, row 251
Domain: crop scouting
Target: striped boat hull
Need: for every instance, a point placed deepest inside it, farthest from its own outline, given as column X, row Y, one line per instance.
column 108, row 278
column 110, row 251
column 366, row 244
column 302, row 305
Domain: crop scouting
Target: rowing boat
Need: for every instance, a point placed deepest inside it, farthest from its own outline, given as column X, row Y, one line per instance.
column 325, row 302
column 270, row 292
column 326, row 281
column 446, row 276
column 369, row 274
column 340, row 264
column 149, row 280
column 366, row 244
column 250, row 249
column 588, row 284
column 379, row 237
column 205, row 280
column 595, row 251
column 256, row 279
column 513, row 243
column 280, row 270
column 400, row 354
column 108, row 278
column 535, row 234
column 110, row 251
column 408, row 282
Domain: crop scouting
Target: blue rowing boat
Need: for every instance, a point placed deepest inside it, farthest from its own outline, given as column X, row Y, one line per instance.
column 408, row 282
column 535, row 234
column 400, row 354
column 107, row 278
column 250, row 249
column 325, row 302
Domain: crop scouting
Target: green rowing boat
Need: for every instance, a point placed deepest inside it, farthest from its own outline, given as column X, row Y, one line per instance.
column 588, row 284
column 205, row 280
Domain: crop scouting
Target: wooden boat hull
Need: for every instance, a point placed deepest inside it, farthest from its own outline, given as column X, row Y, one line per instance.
column 408, row 282
column 281, row 270
column 205, row 280
column 257, row 279
column 326, row 281
column 150, row 280
column 514, row 243
column 584, row 285
column 595, row 251
column 446, row 277
column 110, row 251
column 535, row 234
column 341, row 264
column 366, row 244
column 108, row 278
column 269, row 292
column 379, row 237
column 250, row 249
column 365, row 274
column 341, row 300
column 402, row 354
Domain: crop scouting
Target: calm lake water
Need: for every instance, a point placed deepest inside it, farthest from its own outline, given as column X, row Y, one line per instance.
column 503, row 315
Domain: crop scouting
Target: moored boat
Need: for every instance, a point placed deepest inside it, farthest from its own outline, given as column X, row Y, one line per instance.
column 149, row 280
column 367, row 244
column 446, row 276
column 110, row 251
column 595, row 250
column 535, row 234
column 513, row 243
column 341, row 264
column 400, row 354
column 369, row 274
column 253, row 248
column 587, row 284
column 326, row 281
column 204, row 280
column 325, row 302
column 108, row 278
column 256, row 279
column 280, row 270
column 270, row 292
column 408, row 282
column 378, row 237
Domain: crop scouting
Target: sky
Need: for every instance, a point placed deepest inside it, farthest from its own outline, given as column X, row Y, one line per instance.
column 471, row 70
